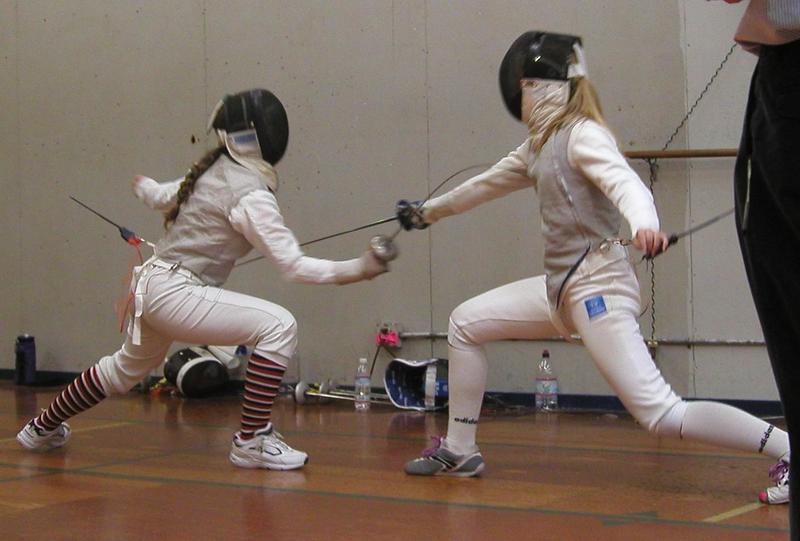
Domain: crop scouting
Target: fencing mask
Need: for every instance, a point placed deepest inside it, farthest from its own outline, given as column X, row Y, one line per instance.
column 537, row 66
column 417, row 385
column 195, row 371
column 254, row 128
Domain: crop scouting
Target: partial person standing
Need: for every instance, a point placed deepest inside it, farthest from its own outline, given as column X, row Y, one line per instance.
column 767, row 197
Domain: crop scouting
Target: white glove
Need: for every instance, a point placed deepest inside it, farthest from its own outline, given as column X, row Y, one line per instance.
column 154, row 195
column 371, row 266
column 365, row 267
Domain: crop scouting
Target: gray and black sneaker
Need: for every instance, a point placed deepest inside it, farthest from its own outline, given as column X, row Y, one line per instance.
column 438, row 460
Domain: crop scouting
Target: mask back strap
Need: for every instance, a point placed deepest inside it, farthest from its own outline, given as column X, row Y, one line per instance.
column 578, row 69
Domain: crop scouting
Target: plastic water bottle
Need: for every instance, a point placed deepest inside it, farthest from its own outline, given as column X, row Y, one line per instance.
column 546, row 385
column 362, row 385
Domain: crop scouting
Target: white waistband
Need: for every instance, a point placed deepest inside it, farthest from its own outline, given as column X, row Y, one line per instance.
column 173, row 267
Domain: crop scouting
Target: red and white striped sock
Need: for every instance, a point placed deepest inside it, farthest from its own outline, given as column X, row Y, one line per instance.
column 261, row 383
column 80, row 395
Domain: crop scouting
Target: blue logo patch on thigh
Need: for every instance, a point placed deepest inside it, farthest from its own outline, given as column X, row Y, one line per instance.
column 595, row 306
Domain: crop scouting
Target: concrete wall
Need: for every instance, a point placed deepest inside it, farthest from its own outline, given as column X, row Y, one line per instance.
column 385, row 99
column 720, row 302
column 11, row 209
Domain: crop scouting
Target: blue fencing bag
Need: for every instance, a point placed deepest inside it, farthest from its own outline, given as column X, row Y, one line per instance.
column 419, row 385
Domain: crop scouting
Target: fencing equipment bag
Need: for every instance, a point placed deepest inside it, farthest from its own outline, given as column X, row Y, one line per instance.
column 417, row 385
column 195, row 371
column 233, row 357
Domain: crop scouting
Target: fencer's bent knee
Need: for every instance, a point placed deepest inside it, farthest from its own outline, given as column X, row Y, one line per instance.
column 277, row 338
column 669, row 424
column 120, row 372
column 455, row 334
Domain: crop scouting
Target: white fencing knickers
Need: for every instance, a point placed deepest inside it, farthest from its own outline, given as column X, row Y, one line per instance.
column 172, row 304
column 521, row 311
column 601, row 304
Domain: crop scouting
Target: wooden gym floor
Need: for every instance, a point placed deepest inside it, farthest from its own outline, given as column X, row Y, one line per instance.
column 146, row 467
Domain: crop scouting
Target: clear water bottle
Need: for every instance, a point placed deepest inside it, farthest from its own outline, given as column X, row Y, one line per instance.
column 362, row 385
column 546, row 385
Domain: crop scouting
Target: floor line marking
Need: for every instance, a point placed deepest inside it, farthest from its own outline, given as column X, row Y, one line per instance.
column 734, row 512
column 23, row 506
column 405, row 500
column 78, row 430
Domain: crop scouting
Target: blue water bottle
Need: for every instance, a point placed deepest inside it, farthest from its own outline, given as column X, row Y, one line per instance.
column 25, row 369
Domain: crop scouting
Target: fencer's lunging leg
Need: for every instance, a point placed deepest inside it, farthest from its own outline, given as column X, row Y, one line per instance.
column 727, row 426
column 80, row 395
column 518, row 310
column 115, row 373
column 720, row 424
column 615, row 343
column 467, row 368
column 257, row 444
column 203, row 314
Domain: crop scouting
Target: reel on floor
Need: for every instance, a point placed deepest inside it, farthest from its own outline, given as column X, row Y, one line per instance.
column 324, row 393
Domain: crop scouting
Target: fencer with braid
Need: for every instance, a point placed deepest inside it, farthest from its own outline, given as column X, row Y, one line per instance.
column 224, row 207
column 585, row 187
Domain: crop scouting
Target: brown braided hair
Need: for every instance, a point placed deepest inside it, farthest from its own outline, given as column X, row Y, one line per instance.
column 187, row 186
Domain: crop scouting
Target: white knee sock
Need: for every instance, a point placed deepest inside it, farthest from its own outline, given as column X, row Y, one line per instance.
column 720, row 424
column 466, row 380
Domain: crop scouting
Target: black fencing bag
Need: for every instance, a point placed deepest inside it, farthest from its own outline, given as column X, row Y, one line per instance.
column 195, row 371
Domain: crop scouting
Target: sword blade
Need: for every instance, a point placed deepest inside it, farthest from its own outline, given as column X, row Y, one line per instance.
column 127, row 235
column 90, row 209
column 359, row 228
column 382, row 220
column 702, row 225
column 339, row 234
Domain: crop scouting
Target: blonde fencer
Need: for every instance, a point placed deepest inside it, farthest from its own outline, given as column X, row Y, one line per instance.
column 585, row 188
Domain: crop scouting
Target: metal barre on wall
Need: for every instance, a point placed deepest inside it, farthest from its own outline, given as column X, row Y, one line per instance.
column 688, row 153
column 659, row 341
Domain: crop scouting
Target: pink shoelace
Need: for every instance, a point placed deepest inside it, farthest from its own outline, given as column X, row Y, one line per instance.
column 437, row 442
column 778, row 471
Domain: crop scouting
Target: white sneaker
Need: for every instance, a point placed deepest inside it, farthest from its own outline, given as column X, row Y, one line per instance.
column 32, row 437
column 265, row 450
column 780, row 492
